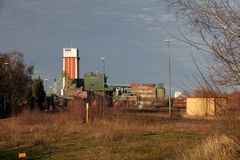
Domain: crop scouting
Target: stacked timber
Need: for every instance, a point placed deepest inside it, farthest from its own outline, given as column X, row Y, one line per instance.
column 146, row 93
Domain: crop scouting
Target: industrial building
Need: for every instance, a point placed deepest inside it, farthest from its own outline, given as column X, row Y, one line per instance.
column 205, row 106
column 138, row 95
column 93, row 87
column 95, row 82
column 71, row 63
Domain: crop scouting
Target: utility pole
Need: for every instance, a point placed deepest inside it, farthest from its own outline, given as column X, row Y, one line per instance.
column 169, row 74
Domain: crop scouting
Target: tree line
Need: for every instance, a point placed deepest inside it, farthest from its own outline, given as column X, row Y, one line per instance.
column 17, row 87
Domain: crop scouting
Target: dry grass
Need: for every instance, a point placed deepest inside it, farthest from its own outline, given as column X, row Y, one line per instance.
column 214, row 148
column 107, row 136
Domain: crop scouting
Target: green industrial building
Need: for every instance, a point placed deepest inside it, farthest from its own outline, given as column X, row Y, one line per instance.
column 95, row 82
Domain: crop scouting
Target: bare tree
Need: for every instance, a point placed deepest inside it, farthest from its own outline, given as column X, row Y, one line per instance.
column 216, row 23
column 15, row 78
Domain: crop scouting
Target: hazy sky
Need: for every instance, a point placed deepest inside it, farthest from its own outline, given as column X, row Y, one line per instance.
column 128, row 33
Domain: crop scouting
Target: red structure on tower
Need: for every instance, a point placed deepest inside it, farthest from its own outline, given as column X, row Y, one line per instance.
column 71, row 63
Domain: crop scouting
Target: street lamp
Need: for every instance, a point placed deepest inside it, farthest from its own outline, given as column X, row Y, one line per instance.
column 103, row 63
column 5, row 97
column 11, row 89
column 35, row 74
column 46, row 85
column 6, row 64
column 169, row 73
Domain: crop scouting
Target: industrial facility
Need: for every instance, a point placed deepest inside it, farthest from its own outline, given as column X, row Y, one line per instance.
column 94, row 89
column 136, row 95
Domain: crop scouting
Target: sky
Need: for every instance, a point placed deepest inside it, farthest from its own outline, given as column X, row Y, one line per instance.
column 128, row 33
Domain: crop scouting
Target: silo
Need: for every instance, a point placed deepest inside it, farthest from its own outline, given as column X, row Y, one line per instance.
column 160, row 91
column 71, row 63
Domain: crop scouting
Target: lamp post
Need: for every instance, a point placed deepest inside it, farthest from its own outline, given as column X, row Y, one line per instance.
column 11, row 90
column 103, row 69
column 35, row 75
column 5, row 98
column 169, row 74
column 103, row 65
column 10, row 83
column 46, row 85
column 6, row 66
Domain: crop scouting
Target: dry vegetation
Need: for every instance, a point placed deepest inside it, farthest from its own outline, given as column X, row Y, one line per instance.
column 116, row 136
column 214, row 148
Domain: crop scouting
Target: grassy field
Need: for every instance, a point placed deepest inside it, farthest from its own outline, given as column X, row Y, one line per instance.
column 119, row 136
